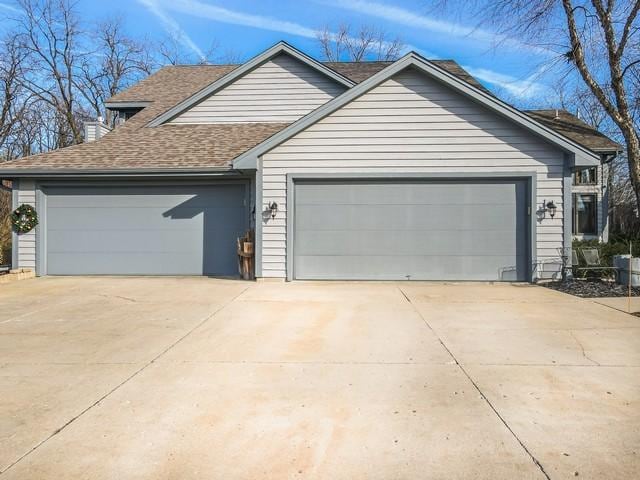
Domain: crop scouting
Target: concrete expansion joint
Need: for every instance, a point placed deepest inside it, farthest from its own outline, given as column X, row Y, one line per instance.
column 538, row 365
column 124, row 382
column 311, row 362
column 480, row 392
column 39, row 364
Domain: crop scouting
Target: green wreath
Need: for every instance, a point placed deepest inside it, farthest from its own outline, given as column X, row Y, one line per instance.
column 24, row 218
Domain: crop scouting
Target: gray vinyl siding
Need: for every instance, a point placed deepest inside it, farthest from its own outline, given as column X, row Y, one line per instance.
column 26, row 242
column 281, row 90
column 411, row 124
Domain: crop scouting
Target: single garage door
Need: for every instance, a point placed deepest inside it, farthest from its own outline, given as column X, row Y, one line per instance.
column 144, row 230
column 417, row 230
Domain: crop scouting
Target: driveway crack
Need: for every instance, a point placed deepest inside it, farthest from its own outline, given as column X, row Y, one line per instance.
column 477, row 387
column 128, row 299
column 584, row 353
column 124, row 382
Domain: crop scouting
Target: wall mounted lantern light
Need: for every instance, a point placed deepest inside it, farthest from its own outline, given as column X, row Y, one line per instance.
column 273, row 206
column 550, row 207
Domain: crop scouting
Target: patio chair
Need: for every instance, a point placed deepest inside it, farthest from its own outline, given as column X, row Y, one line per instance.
column 593, row 263
column 591, row 257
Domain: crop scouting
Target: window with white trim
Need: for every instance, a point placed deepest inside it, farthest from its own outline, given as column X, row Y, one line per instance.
column 585, row 214
column 588, row 176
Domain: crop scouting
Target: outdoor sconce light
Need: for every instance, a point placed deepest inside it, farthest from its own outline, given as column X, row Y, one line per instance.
column 550, row 207
column 273, row 206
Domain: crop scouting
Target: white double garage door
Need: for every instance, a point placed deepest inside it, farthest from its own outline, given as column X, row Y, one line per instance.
column 382, row 229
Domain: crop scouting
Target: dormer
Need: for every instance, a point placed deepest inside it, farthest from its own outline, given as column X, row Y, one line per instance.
column 120, row 112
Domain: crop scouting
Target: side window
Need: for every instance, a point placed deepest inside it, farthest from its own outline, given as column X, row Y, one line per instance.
column 585, row 217
column 122, row 115
column 586, row 177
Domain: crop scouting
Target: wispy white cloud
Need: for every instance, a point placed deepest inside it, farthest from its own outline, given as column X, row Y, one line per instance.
column 517, row 87
column 409, row 18
column 220, row 14
column 520, row 88
column 11, row 8
column 172, row 27
column 224, row 15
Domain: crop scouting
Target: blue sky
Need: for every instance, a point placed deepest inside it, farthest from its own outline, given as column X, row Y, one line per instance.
column 248, row 27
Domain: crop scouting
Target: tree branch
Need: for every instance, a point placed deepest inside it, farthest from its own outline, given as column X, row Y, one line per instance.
column 581, row 64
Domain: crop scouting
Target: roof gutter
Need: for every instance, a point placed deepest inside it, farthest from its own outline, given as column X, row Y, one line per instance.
column 607, row 158
column 130, row 173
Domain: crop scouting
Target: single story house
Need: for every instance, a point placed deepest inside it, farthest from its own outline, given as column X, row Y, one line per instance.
column 376, row 170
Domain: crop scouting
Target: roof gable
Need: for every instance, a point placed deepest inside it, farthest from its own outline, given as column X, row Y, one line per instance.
column 280, row 90
column 579, row 156
column 280, row 48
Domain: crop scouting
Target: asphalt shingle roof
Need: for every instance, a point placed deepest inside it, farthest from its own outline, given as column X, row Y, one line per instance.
column 575, row 129
column 136, row 146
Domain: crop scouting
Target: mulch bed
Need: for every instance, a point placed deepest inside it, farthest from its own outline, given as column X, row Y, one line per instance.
column 593, row 288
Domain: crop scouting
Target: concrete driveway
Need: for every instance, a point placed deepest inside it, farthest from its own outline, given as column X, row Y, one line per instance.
column 184, row 378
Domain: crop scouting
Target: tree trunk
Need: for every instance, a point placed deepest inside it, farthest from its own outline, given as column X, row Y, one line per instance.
column 633, row 159
column 632, row 144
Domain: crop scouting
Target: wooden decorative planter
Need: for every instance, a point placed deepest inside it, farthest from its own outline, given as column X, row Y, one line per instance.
column 246, row 256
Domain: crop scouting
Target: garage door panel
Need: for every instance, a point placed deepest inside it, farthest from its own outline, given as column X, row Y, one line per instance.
column 403, row 268
column 405, row 217
column 167, row 197
column 426, row 230
column 154, row 230
column 118, row 218
column 133, row 263
column 474, row 192
column 141, row 241
column 404, row 243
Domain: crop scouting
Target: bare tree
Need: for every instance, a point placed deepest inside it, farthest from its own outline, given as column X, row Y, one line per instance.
column 170, row 51
column 50, row 33
column 333, row 44
column 367, row 43
column 56, row 72
column 599, row 40
column 116, row 62
column 14, row 100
